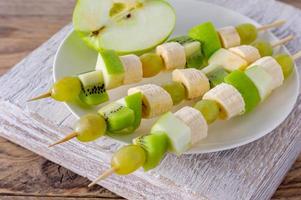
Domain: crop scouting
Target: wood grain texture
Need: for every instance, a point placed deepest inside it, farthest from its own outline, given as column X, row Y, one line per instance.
column 23, row 173
column 32, row 121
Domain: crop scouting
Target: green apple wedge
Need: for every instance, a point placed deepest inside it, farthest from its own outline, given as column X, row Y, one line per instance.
column 125, row 26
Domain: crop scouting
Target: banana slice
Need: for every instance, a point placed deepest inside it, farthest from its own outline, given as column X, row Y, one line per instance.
column 195, row 81
column 195, row 121
column 272, row 67
column 228, row 60
column 229, row 37
column 132, row 68
column 173, row 55
column 156, row 100
column 229, row 98
column 246, row 52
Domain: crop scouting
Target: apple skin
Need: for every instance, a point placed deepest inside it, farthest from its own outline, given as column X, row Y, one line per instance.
column 94, row 42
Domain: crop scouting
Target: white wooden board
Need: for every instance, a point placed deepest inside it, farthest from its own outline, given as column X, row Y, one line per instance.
column 253, row 171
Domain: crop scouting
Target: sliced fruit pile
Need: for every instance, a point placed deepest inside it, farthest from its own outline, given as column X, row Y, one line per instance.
column 191, row 51
column 112, row 71
column 176, row 132
column 148, row 101
column 235, row 92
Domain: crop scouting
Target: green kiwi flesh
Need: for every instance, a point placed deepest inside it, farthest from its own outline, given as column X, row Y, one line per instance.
column 117, row 116
column 217, row 76
column 155, row 146
column 197, row 60
column 93, row 90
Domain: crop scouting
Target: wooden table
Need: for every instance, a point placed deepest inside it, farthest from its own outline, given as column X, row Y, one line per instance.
column 23, row 27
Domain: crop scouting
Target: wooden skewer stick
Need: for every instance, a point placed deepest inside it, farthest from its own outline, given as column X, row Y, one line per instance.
column 296, row 56
column 103, row 176
column 42, row 96
column 282, row 41
column 275, row 24
column 65, row 139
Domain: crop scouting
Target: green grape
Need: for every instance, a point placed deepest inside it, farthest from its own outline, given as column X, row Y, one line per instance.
column 209, row 109
column 90, row 127
column 247, row 33
column 66, row 89
column 128, row 159
column 152, row 64
column 176, row 90
column 286, row 63
column 264, row 48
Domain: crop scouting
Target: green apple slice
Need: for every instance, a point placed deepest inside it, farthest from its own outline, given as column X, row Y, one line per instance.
column 111, row 66
column 128, row 26
column 262, row 80
column 178, row 133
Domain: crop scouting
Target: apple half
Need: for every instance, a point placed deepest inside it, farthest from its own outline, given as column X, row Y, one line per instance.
column 126, row 26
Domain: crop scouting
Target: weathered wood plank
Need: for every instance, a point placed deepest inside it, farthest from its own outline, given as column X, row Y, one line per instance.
column 166, row 176
column 22, row 29
column 21, row 170
column 36, row 7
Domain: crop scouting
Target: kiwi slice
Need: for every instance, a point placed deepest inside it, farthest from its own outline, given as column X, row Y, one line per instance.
column 155, row 146
column 217, row 76
column 124, row 115
column 208, row 36
column 93, row 90
column 134, row 102
column 117, row 116
column 183, row 39
column 195, row 60
column 246, row 87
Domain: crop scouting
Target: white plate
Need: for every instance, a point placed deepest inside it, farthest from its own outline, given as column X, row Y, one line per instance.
column 74, row 57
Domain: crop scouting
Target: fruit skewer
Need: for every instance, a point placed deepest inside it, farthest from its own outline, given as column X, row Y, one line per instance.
column 146, row 101
column 227, row 37
column 112, row 71
column 177, row 132
column 124, row 116
column 247, row 33
column 91, row 88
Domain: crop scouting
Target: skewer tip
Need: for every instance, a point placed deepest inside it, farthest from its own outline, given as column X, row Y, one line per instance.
column 42, row 96
column 296, row 56
column 283, row 41
column 103, row 176
column 274, row 24
column 65, row 139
